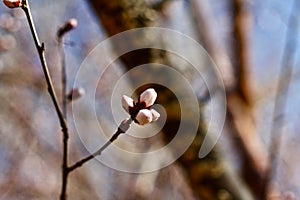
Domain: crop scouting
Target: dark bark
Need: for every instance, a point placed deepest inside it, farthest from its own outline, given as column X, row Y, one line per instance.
column 240, row 101
column 209, row 177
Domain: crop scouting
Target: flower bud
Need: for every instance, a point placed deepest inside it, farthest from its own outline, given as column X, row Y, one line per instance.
column 13, row 3
column 127, row 102
column 144, row 116
column 148, row 97
column 68, row 26
column 155, row 115
column 75, row 94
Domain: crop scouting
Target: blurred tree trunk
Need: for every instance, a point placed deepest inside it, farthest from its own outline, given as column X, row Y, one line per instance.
column 236, row 75
column 240, row 100
column 210, row 178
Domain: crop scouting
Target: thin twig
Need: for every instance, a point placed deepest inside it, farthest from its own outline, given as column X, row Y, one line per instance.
column 41, row 51
column 64, row 106
column 285, row 76
column 122, row 129
column 63, row 76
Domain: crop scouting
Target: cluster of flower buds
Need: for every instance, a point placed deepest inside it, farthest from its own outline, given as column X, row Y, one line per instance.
column 13, row 3
column 68, row 26
column 141, row 111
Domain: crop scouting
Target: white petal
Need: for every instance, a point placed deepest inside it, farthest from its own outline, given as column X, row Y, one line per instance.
column 148, row 96
column 155, row 115
column 12, row 3
column 127, row 102
column 144, row 116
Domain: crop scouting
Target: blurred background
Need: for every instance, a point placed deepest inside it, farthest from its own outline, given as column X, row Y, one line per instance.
column 254, row 45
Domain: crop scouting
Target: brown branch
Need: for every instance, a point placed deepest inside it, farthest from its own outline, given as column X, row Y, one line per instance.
column 203, row 23
column 243, row 131
column 64, row 106
column 240, row 101
column 122, row 129
column 242, row 22
column 239, row 116
column 41, row 51
column 60, row 33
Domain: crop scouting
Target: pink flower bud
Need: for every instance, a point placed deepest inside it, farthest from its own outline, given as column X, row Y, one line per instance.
column 127, row 102
column 75, row 94
column 13, row 3
column 155, row 115
column 68, row 26
column 148, row 97
column 144, row 116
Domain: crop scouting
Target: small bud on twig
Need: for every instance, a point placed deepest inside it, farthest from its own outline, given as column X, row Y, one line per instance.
column 13, row 3
column 75, row 94
column 68, row 26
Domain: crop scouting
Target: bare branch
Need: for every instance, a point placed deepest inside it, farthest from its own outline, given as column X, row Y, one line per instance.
column 41, row 51
column 122, row 129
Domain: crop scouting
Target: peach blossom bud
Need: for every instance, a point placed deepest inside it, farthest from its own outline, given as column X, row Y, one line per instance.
column 144, row 116
column 155, row 115
column 75, row 94
column 13, row 3
column 68, row 26
column 127, row 102
column 148, row 97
